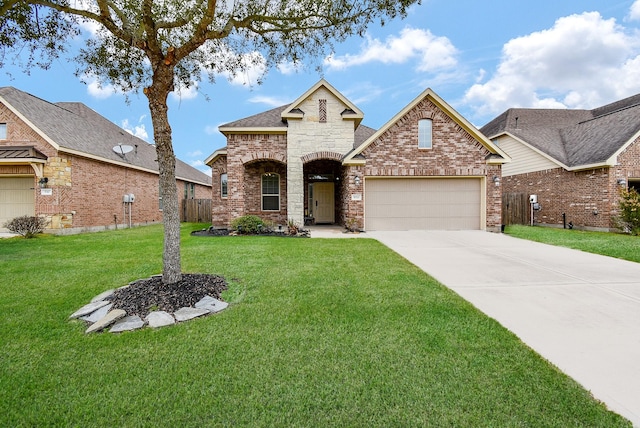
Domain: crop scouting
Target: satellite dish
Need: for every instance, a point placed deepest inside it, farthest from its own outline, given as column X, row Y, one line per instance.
column 122, row 149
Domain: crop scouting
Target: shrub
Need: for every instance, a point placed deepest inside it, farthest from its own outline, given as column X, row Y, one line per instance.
column 248, row 225
column 630, row 210
column 26, row 226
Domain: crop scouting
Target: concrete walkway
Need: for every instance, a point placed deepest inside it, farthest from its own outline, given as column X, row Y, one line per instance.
column 578, row 310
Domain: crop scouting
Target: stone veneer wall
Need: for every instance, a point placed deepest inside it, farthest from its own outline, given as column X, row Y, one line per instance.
column 455, row 153
column 310, row 135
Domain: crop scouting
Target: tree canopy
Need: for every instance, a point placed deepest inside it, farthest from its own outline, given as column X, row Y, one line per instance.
column 158, row 46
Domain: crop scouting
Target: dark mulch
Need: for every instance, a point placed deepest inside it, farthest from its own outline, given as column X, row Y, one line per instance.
column 146, row 295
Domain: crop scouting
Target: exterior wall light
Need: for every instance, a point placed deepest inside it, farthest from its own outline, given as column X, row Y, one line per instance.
column 43, row 182
column 622, row 182
column 357, row 180
column 496, row 180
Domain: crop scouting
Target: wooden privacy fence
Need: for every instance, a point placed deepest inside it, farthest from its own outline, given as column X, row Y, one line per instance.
column 515, row 208
column 196, row 210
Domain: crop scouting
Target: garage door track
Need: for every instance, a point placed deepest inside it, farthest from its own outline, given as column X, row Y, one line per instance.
column 580, row 311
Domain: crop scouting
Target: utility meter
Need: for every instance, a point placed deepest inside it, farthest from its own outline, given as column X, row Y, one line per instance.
column 533, row 199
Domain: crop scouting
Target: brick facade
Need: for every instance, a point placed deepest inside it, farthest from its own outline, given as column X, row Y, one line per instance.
column 86, row 194
column 589, row 199
column 455, row 153
column 319, row 136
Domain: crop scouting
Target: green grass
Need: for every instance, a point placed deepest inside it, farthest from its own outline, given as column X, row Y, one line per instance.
column 617, row 245
column 333, row 333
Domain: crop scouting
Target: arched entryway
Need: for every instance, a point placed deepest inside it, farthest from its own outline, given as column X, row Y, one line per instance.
column 323, row 180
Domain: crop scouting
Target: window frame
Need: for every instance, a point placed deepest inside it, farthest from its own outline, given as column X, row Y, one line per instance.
column 224, row 185
column 263, row 195
column 3, row 131
column 422, row 144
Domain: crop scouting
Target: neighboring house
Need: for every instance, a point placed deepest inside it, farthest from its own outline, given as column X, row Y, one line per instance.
column 574, row 161
column 65, row 162
column 313, row 161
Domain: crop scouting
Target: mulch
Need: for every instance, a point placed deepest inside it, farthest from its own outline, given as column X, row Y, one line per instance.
column 146, row 295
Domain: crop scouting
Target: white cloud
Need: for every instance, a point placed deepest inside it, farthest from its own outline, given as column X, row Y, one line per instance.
column 211, row 129
column 183, row 93
column 138, row 130
column 196, row 163
column 634, row 11
column 288, row 68
column 431, row 52
column 194, row 154
column 270, row 101
column 581, row 62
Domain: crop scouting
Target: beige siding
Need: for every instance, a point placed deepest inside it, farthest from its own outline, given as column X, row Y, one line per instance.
column 423, row 204
column 523, row 158
column 16, row 198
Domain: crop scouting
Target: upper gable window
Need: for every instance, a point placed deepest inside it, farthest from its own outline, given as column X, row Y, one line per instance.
column 425, row 131
column 270, row 192
column 223, row 185
column 3, row 131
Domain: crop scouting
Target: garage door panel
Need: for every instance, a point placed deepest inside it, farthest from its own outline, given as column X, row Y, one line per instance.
column 423, row 203
column 16, row 197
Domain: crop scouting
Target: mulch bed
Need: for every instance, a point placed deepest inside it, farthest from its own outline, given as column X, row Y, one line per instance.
column 146, row 295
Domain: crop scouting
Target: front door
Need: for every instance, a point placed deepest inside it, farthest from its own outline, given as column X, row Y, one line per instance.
column 323, row 203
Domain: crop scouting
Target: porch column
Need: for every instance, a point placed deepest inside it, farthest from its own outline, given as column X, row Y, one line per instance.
column 295, row 189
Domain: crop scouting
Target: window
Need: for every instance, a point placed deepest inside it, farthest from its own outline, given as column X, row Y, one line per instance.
column 160, row 202
column 3, row 131
column 189, row 190
column 424, row 133
column 223, row 185
column 270, row 192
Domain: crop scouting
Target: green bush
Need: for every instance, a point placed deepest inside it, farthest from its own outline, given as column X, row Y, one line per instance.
column 630, row 211
column 26, row 226
column 248, row 225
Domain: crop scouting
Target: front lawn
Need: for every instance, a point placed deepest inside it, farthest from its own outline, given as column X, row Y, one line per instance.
column 334, row 333
column 618, row 245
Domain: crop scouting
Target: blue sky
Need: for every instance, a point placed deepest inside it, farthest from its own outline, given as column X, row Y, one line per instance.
column 481, row 57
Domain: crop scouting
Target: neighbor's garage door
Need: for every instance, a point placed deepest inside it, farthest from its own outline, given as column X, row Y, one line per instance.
column 16, row 197
column 423, row 203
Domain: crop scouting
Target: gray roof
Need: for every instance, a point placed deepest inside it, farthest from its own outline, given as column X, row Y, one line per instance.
column 273, row 119
column 573, row 137
column 75, row 127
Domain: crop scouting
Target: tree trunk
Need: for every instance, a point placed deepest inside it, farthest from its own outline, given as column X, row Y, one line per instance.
column 157, row 95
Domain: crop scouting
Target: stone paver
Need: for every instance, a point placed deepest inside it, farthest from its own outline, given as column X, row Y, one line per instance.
column 186, row 314
column 89, row 308
column 132, row 322
column 211, row 304
column 160, row 319
column 106, row 321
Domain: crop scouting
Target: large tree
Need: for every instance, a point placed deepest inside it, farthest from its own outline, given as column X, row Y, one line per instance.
column 156, row 46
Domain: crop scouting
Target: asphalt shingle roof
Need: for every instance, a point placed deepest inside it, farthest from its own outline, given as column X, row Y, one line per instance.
column 74, row 126
column 273, row 119
column 573, row 137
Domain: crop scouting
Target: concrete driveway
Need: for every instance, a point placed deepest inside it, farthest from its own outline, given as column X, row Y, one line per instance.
column 578, row 310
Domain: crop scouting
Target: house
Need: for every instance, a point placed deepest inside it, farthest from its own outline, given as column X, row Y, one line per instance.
column 314, row 161
column 65, row 162
column 574, row 161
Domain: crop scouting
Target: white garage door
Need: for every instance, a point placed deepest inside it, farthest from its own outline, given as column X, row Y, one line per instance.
column 423, row 203
column 16, row 198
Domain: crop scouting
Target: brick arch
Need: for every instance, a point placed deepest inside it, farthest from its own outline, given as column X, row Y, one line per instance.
column 263, row 156
column 322, row 156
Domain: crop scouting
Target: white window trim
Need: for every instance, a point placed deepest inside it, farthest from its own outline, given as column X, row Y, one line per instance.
column 262, row 194
column 430, row 146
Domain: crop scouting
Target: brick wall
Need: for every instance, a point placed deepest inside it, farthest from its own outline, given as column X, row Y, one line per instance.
column 87, row 194
column 219, row 205
column 256, row 152
column 588, row 198
column 454, row 152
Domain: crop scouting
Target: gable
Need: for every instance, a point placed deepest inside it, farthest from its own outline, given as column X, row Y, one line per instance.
column 453, row 136
column 525, row 158
column 308, row 106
